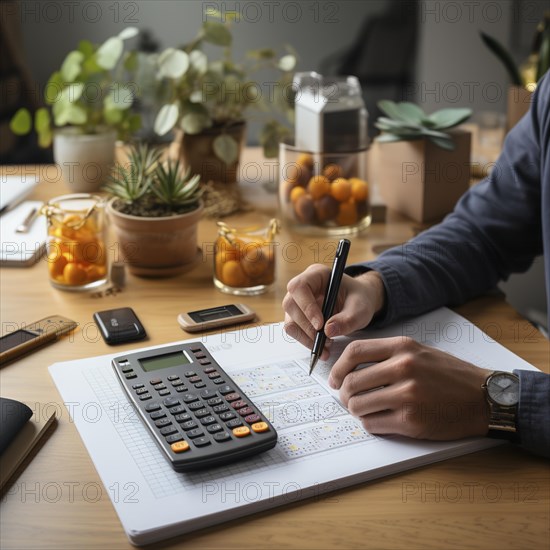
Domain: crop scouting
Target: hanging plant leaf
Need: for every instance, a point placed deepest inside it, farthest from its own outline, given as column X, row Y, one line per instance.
column 112, row 116
column 194, row 123
column 166, row 119
column 21, row 123
column 67, row 113
column 131, row 61
column 72, row 93
column 86, row 48
column 72, row 65
column 226, row 148
column 42, row 120
column 217, row 33
column 128, row 33
column 109, row 53
column 287, row 63
column 45, row 138
column 53, row 88
column 119, row 97
column 172, row 63
column 263, row 53
column 198, row 61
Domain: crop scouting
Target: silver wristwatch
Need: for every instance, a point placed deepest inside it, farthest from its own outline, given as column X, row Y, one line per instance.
column 502, row 394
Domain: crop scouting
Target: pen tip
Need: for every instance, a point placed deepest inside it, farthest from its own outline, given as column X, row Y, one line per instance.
column 312, row 363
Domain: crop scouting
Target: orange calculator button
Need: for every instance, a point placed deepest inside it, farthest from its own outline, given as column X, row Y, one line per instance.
column 241, row 431
column 259, row 427
column 180, row 446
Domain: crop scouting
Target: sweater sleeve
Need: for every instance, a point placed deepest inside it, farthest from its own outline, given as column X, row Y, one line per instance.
column 534, row 411
column 495, row 230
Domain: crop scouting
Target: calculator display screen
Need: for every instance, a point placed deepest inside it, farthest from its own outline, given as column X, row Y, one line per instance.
column 214, row 313
column 164, row 361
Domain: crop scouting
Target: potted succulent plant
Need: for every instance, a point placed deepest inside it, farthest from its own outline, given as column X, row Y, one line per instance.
column 424, row 168
column 88, row 101
column 209, row 100
column 523, row 78
column 155, row 208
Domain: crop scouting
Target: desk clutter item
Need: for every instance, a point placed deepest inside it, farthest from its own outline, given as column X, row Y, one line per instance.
column 320, row 447
column 77, row 255
column 13, row 416
column 244, row 258
column 19, row 434
column 119, row 325
column 13, row 189
column 21, row 249
column 24, row 340
column 196, row 413
column 322, row 172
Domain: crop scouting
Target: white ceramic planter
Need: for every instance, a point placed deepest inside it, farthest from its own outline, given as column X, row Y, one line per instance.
column 85, row 160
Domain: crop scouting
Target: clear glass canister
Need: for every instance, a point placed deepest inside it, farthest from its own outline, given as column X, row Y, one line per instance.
column 77, row 255
column 324, row 193
column 244, row 258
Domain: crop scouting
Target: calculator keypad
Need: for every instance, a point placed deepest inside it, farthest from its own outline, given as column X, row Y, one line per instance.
column 197, row 411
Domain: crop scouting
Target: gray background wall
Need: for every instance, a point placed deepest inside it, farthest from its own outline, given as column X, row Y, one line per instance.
column 453, row 67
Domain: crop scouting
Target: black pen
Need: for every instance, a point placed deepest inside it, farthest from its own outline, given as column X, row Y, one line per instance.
column 330, row 299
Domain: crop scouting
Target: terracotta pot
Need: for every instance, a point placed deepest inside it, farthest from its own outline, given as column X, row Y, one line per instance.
column 519, row 102
column 85, row 160
column 157, row 247
column 198, row 153
column 422, row 180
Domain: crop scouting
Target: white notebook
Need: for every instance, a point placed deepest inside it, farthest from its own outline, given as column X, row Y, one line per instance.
column 22, row 249
column 13, row 189
column 320, row 447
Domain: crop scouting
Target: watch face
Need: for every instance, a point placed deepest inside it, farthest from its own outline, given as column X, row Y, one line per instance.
column 503, row 388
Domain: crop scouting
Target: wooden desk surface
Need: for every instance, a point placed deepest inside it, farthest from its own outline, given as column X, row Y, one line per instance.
column 495, row 498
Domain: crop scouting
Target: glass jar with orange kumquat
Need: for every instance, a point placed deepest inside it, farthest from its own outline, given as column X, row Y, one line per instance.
column 324, row 193
column 244, row 258
column 77, row 256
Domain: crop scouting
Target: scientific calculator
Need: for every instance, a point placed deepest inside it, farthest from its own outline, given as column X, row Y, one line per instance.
column 195, row 412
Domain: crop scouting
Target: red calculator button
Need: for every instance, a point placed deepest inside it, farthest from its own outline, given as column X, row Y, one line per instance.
column 239, row 404
column 180, row 446
column 232, row 397
column 245, row 411
column 251, row 418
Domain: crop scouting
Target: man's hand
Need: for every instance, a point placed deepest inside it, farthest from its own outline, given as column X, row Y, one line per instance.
column 412, row 390
column 358, row 300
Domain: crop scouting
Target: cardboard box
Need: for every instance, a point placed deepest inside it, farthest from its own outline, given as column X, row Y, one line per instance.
column 422, row 180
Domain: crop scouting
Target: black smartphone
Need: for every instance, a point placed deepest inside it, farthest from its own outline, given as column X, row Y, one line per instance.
column 119, row 325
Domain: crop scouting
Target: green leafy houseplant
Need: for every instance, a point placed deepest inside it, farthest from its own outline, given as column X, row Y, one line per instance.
column 531, row 71
column 407, row 121
column 88, row 91
column 146, row 187
column 208, row 93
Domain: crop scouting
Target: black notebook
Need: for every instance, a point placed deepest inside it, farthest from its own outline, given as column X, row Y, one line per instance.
column 13, row 417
